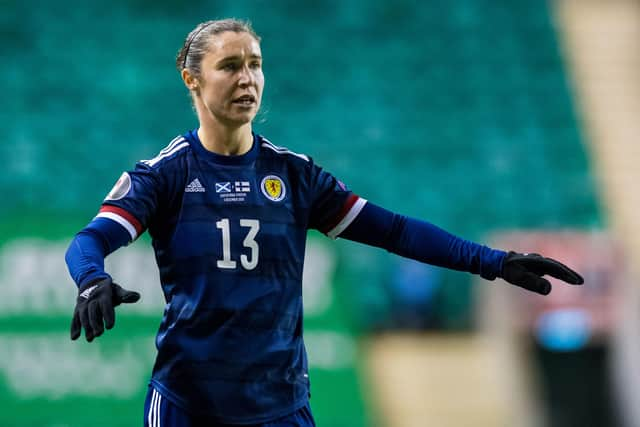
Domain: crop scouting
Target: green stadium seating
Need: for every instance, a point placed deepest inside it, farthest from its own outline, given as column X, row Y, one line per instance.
column 457, row 114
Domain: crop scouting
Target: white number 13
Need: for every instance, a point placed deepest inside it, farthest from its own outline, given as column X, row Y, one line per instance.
column 247, row 262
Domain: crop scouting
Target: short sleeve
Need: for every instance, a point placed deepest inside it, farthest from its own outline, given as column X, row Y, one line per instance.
column 133, row 200
column 333, row 205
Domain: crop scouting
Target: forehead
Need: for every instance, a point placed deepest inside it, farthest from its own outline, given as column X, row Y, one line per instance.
column 230, row 43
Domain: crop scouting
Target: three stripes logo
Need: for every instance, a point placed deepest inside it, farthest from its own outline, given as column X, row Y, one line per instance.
column 87, row 292
column 194, row 187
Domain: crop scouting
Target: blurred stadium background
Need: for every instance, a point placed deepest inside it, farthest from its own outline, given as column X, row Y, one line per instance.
column 508, row 122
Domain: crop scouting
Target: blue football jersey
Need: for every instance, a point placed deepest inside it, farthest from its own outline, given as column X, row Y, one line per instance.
column 229, row 238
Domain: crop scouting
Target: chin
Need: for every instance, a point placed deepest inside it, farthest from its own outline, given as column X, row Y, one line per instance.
column 242, row 119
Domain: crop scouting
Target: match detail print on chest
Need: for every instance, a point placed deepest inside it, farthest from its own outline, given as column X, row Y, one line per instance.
column 267, row 188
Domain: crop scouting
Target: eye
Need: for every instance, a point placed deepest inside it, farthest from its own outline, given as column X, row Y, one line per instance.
column 230, row 66
column 255, row 64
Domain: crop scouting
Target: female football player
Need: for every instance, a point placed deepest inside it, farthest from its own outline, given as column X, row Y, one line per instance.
column 228, row 212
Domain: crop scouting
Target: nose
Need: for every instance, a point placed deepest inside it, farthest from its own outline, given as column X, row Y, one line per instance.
column 246, row 77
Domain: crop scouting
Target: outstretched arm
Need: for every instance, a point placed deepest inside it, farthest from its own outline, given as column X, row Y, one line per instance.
column 88, row 249
column 425, row 242
column 97, row 294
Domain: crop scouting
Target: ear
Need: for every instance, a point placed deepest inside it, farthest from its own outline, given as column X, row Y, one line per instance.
column 190, row 81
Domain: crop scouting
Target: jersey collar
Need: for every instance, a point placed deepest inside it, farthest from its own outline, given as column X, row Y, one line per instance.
column 243, row 159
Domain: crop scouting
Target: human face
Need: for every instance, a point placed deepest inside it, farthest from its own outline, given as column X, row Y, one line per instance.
column 231, row 80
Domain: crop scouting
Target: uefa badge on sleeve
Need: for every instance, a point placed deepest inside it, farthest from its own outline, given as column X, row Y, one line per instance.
column 121, row 188
column 273, row 188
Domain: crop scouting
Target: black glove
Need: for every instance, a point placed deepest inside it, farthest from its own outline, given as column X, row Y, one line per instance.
column 95, row 307
column 526, row 270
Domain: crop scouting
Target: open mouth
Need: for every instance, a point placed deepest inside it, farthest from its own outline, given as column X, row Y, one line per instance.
column 245, row 100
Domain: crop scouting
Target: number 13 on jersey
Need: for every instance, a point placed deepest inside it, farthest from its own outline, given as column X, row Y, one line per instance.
column 248, row 262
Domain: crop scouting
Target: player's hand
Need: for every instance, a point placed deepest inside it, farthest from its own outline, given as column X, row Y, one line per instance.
column 95, row 307
column 526, row 271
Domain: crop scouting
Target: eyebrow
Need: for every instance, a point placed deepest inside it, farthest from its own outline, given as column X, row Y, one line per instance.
column 236, row 57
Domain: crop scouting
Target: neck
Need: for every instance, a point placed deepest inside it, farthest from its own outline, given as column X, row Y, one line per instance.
column 225, row 140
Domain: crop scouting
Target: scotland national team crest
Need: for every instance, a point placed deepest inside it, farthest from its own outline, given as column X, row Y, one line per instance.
column 273, row 188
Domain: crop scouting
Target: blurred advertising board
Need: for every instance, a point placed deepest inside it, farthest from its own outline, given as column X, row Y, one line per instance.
column 47, row 380
column 570, row 317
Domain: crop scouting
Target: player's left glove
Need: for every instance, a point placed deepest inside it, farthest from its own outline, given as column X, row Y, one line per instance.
column 526, row 271
column 95, row 307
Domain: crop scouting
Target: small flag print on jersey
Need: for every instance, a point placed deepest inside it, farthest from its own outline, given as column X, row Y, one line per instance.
column 273, row 188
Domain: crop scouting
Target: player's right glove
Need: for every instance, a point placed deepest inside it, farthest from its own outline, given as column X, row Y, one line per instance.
column 95, row 307
column 526, row 271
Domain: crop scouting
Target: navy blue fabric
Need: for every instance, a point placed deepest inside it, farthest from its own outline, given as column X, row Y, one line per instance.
column 230, row 344
column 422, row 241
column 88, row 249
column 161, row 412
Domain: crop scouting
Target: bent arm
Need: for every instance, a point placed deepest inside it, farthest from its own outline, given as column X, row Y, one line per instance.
column 422, row 241
column 88, row 249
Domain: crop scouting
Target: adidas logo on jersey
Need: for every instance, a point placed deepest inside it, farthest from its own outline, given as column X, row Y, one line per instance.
column 194, row 187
